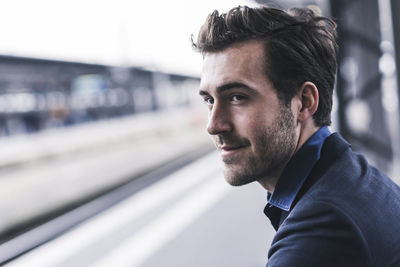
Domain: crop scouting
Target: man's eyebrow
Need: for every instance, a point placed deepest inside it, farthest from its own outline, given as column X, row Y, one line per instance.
column 202, row 92
column 232, row 85
column 228, row 86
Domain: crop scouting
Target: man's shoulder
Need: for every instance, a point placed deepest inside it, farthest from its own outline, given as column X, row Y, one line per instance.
column 325, row 229
column 319, row 233
column 351, row 208
column 351, row 185
column 347, row 175
column 342, row 174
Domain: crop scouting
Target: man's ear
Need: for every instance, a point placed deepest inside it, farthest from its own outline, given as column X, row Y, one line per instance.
column 309, row 97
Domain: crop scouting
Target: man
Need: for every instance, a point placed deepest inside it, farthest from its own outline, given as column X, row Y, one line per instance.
column 267, row 79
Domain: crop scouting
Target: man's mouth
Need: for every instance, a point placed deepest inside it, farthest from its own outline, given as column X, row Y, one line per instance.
column 227, row 150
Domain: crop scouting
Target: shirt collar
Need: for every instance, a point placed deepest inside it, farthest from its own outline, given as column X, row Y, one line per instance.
column 297, row 170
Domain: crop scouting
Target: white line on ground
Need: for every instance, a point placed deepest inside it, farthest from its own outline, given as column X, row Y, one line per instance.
column 135, row 250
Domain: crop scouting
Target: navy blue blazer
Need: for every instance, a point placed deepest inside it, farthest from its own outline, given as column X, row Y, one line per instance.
column 346, row 214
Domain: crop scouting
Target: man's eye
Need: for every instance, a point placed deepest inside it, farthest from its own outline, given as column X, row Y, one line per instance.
column 208, row 100
column 237, row 98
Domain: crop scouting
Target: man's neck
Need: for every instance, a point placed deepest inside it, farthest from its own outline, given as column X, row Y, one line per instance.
column 305, row 134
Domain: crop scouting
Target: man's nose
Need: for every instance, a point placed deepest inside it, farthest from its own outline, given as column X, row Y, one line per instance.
column 218, row 121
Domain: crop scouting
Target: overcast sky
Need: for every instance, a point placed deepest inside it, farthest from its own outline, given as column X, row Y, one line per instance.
column 142, row 33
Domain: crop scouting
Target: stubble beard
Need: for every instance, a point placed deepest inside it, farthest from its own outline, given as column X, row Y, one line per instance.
column 272, row 149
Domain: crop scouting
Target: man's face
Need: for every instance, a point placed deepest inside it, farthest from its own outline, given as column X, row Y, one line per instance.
column 253, row 131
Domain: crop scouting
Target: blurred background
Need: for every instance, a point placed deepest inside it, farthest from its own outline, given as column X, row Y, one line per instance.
column 104, row 157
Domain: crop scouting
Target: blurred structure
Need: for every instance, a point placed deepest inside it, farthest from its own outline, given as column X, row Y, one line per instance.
column 363, row 67
column 37, row 94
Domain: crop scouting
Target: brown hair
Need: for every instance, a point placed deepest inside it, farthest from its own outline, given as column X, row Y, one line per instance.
column 300, row 46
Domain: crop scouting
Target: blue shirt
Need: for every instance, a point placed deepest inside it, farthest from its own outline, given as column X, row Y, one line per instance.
column 297, row 171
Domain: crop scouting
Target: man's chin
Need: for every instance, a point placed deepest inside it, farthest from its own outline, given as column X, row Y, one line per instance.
column 237, row 179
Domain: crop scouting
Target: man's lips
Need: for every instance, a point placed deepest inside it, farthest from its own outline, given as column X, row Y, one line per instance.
column 227, row 150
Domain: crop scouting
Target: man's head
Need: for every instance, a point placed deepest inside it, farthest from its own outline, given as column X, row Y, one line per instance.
column 261, row 80
column 299, row 47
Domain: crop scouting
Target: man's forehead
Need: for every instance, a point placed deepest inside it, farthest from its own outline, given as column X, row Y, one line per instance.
column 240, row 62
